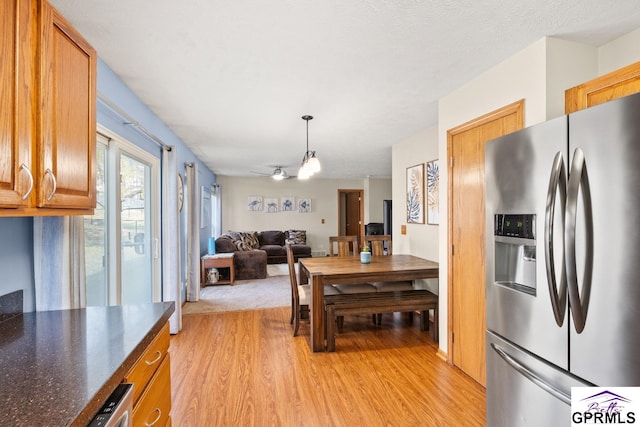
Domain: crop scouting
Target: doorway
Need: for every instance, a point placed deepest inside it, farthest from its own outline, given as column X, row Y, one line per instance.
column 351, row 213
column 466, row 305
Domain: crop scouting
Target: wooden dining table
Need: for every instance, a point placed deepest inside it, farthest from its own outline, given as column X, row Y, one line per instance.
column 349, row 270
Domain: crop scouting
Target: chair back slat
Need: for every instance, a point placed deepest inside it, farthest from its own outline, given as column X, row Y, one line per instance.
column 347, row 245
column 377, row 243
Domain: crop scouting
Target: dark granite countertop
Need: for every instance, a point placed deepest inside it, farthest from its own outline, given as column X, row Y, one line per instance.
column 58, row 367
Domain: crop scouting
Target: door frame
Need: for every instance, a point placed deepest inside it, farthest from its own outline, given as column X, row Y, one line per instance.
column 516, row 108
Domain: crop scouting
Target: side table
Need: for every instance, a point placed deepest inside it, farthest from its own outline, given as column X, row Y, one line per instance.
column 225, row 261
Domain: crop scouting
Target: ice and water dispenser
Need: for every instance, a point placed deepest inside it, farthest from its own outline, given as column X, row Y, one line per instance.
column 515, row 251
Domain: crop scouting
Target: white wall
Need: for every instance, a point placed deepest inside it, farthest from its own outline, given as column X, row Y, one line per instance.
column 324, row 204
column 619, row 53
column 421, row 239
column 376, row 190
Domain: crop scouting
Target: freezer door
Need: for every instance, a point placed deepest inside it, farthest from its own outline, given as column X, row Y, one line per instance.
column 517, row 172
column 523, row 390
column 606, row 306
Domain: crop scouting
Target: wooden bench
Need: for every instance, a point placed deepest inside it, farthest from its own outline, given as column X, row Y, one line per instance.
column 380, row 302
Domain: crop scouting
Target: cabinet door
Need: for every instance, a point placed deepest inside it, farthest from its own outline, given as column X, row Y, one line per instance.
column 68, row 122
column 616, row 84
column 17, row 97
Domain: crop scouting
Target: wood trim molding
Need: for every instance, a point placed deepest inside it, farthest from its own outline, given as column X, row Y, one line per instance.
column 516, row 108
column 616, row 84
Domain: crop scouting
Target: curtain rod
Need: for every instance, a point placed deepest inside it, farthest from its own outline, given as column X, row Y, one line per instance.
column 129, row 121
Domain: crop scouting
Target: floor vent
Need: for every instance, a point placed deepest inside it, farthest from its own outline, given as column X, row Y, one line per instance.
column 318, row 253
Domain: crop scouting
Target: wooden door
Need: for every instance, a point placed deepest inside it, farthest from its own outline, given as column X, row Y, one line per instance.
column 467, row 324
column 351, row 213
column 616, row 84
column 68, row 136
column 17, row 101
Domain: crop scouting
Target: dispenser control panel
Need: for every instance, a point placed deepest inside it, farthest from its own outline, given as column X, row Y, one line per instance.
column 515, row 225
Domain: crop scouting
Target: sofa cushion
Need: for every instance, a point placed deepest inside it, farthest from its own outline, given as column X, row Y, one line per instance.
column 274, row 250
column 297, row 237
column 273, row 237
column 225, row 244
column 301, row 250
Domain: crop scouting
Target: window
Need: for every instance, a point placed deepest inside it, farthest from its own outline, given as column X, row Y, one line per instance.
column 122, row 236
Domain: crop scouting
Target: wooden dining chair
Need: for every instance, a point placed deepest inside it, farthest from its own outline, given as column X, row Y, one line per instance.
column 300, row 294
column 380, row 244
column 347, row 245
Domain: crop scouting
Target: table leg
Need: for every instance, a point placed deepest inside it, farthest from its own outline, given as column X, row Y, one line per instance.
column 317, row 313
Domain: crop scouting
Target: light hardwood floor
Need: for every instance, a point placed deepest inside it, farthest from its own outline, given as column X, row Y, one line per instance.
column 246, row 369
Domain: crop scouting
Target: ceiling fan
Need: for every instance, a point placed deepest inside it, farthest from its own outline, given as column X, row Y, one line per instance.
column 278, row 173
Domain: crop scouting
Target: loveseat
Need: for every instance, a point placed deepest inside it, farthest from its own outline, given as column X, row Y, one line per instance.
column 254, row 250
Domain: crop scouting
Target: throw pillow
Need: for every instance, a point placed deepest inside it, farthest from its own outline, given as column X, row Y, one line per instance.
column 297, row 237
column 248, row 241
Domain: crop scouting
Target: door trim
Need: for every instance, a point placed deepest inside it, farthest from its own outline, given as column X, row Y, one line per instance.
column 516, row 108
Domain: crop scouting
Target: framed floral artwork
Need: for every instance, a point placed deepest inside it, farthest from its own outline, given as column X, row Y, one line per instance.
column 415, row 194
column 433, row 192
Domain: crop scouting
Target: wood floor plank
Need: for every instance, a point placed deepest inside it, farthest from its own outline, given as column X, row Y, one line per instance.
column 246, row 369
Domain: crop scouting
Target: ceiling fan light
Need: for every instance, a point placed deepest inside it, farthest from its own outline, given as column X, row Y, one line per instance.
column 278, row 177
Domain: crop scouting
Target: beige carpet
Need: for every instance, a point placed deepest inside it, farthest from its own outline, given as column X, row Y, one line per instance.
column 274, row 291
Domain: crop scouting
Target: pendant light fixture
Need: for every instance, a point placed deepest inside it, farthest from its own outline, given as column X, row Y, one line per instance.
column 310, row 163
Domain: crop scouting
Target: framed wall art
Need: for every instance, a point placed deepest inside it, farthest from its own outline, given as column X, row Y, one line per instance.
column 255, row 203
column 304, row 205
column 433, row 192
column 288, row 204
column 415, row 194
column 270, row 205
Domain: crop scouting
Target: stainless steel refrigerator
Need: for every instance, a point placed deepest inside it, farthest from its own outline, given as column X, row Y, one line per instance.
column 562, row 262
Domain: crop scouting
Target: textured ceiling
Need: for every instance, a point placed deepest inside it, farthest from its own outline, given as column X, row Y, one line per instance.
column 232, row 78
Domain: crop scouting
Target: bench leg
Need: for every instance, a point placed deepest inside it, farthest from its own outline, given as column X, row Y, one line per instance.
column 331, row 328
column 424, row 320
column 340, row 320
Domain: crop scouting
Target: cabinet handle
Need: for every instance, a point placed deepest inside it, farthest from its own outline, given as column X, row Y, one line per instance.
column 152, row 423
column 55, row 183
column 151, row 362
column 26, row 169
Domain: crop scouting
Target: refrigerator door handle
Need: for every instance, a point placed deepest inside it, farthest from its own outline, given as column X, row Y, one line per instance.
column 578, row 184
column 532, row 376
column 557, row 184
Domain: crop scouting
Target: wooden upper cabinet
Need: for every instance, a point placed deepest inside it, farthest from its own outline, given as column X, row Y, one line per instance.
column 68, row 120
column 17, row 97
column 47, row 114
column 619, row 83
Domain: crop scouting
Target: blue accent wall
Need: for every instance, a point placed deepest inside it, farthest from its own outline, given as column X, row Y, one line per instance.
column 16, row 234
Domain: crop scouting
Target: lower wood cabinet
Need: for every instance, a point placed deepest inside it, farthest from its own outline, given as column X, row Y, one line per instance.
column 151, row 378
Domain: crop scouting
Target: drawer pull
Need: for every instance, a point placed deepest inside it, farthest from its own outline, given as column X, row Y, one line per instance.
column 151, row 362
column 26, row 169
column 157, row 418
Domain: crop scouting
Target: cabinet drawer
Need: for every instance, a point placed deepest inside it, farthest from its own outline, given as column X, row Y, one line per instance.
column 154, row 406
column 146, row 366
